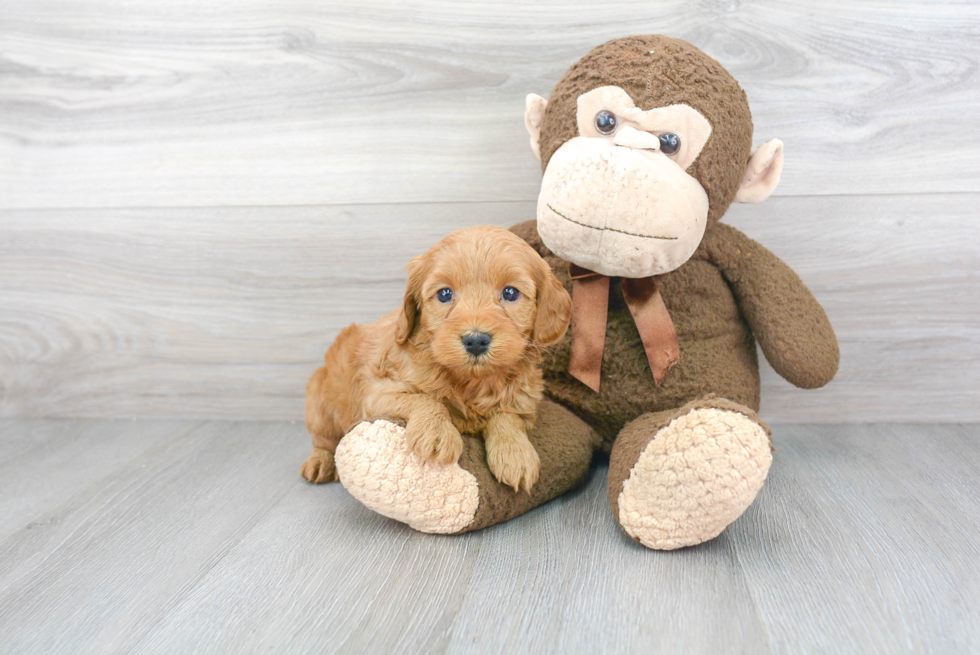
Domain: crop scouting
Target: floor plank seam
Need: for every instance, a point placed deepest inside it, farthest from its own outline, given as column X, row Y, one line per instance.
column 53, row 551
column 39, row 568
column 751, row 592
column 462, row 598
column 182, row 595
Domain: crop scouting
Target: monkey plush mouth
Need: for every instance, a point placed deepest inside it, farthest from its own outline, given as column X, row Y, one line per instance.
column 612, row 210
column 610, row 229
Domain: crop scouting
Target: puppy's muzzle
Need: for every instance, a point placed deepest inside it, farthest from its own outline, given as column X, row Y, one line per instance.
column 476, row 343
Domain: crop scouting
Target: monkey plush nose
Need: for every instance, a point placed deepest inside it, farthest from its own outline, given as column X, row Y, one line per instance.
column 634, row 138
column 476, row 343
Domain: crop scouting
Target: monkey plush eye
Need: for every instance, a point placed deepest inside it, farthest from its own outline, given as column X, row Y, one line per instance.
column 444, row 295
column 605, row 122
column 669, row 143
column 510, row 294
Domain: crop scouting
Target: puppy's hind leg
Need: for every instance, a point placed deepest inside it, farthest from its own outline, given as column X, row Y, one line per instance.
column 327, row 415
column 319, row 466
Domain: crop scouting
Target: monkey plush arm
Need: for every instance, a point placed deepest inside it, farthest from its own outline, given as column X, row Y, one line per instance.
column 790, row 325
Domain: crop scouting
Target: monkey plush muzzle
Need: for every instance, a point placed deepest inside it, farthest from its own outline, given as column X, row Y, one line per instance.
column 618, row 210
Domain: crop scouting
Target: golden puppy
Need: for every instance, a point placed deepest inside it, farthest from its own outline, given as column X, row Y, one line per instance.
column 461, row 355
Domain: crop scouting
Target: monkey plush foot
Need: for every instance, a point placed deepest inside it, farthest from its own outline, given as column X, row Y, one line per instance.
column 379, row 469
column 680, row 478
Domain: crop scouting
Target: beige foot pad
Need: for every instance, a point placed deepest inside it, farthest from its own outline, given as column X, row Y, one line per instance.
column 698, row 474
column 377, row 468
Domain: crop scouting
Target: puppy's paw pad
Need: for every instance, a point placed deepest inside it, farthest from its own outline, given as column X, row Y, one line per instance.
column 377, row 467
column 319, row 467
column 700, row 473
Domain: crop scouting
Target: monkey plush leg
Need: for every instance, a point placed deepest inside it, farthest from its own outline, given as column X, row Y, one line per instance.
column 679, row 477
column 377, row 467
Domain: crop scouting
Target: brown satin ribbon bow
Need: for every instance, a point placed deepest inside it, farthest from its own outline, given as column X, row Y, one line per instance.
column 590, row 305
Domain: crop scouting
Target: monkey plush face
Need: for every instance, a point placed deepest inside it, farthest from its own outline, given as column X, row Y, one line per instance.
column 617, row 199
column 644, row 143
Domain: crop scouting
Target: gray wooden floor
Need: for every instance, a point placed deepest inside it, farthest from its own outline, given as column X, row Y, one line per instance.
column 183, row 536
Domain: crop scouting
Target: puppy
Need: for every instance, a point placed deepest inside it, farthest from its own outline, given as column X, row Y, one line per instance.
column 461, row 355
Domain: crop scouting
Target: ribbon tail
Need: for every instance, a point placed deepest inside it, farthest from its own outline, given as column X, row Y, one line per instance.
column 590, row 306
column 653, row 321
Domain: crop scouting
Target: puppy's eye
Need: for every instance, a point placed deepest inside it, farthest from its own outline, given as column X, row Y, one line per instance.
column 444, row 295
column 510, row 294
column 669, row 143
column 605, row 122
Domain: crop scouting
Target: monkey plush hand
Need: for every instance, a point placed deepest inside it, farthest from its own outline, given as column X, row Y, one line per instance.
column 644, row 143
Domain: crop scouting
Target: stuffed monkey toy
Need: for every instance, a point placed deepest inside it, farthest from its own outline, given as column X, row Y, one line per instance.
column 644, row 144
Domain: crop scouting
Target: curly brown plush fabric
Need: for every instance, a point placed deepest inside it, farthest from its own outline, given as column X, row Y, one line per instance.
column 788, row 322
column 658, row 71
column 729, row 271
column 568, row 457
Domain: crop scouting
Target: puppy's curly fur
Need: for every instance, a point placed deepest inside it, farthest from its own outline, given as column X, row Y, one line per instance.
column 414, row 364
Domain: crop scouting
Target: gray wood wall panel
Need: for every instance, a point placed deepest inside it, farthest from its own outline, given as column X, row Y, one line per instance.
column 195, row 198
column 122, row 103
column 226, row 312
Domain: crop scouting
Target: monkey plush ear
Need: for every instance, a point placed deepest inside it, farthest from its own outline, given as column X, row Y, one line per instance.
column 762, row 173
column 534, row 106
column 408, row 320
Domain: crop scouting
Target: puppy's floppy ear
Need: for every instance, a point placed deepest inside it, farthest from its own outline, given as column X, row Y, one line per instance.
column 408, row 321
column 554, row 306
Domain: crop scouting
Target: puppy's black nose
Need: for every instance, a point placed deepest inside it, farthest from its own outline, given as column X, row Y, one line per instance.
column 476, row 343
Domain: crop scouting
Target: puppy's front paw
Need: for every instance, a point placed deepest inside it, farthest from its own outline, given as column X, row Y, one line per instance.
column 435, row 441
column 319, row 467
column 513, row 460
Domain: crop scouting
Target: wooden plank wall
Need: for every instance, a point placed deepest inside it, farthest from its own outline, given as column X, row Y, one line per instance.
column 195, row 196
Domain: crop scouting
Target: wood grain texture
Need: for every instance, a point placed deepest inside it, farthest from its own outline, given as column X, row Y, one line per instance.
column 97, row 572
column 64, row 458
column 226, row 312
column 599, row 591
column 854, row 508
column 320, row 573
column 122, row 104
column 864, row 539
